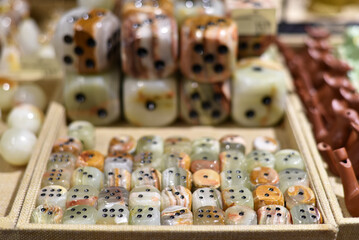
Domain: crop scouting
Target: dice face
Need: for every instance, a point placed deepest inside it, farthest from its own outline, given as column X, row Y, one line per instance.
column 251, row 46
column 91, row 158
column 264, row 143
column 232, row 142
column 264, row 176
column 176, row 159
column 147, row 6
column 176, row 215
column 205, row 178
column 118, row 177
column 122, row 144
column 52, row 195
column 144, row 36
column 62, row 160
column 94, row 98
column 206, row 55
column 205, row 144
column 150, row 103
column 240, row 215
column 145, row 215
column 148, row 159
column 177, row 144
column 258, row 158
column 176, row 196
column 206, row 197
column 203, row 103
column 232, row 178
column 113, row 214
column 67, row 144
column 208, row 215
column 84, row 47
column 176, row 176
column 258, row 100
column 47, row 214
column 232, row 159
column 120, row 161
column 288, row 158
column 87, row 176
column 297, row 195
column 273, row 215
column 82, row 195
column 205, row 160
column 145, row 196
column 237, row 195
column 306, row 214
column 292, row 177
column 81, row 214
column 84, row 131
column 267, row 195
column 146, row 177
column 150, row 143
column 113, row 195
column 60, row 176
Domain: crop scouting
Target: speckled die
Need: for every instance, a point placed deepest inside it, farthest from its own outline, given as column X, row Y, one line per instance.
column 176, row 176
column 205, row 144
column 82, row 195
column 47, row 214
column 122, row 144
column 297, row 195
column 112, row 214
column 259, row 158
column 291, row 177
column 176, row 196
column 237, row 195
column 118, row 177
column 267, row 195
column 176, row 159
column 81, row 214
column 176, row 215
column 150, row 143
column 57, row 176
column 208, row 215
column 177, row 144
column 146, row 177
column 87, row 176
column 264, row 176
column 145, row 215
column 91, row 158
column 233, row 178
column 85, row 132
column 232, row 159
column 62, row 160
column 113, row 195
column 121, row 161
column 232, row 142
column 206, row 178
column 53, row 195
column 306, row 214
column 206, row 197
column 288, row 158
column 240, row 215
column 265, row 143
column 148, row 159
column 145, row 196
column 67, row 144
column 205, row 160
column 273, row 215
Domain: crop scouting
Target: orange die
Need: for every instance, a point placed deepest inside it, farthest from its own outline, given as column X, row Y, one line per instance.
column 91, row 158
column 298, row 195
column 264, row 175
column 67, row 144
column 267, row 195
column 206, row 178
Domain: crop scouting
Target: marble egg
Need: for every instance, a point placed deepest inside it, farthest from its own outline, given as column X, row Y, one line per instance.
column 7, row 92
column 31, row 94
column 26, row 117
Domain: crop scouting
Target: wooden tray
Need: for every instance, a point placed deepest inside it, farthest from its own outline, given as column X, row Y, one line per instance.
column 284, row 132
column 348, row 226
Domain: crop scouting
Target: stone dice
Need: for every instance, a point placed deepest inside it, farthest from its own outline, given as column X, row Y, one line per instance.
column 68, row 145
column 62, row 160
column 87, row 176
column 112, row 214
column 118, row 177
column 145, row 215
column 288, row 158
column 120, row 161
column 259, row 93
column 113, row 195
column 208, row 48
column 145, row 196
column 273, row 215
column 176, row 176
column 264, row 175
column 122, row 144
column 203, row 103
column 176, row 159
column 296, row 195
column 233, row 142
column 52, row 195
column 85, row 132
column 240, row 215
column 206, row 197
column 150, row 103
column 292, row 177
column 232, row 178
column 146, row 176
column 306, row 214
column 80, row 214
column 59, row 176
column 231, row 160
column 47, row 214
column 147, row 159
column 87, row 42
column 237, row 195
column 176, row 196
column 267, row 195
column 206, row 178
column 208, row 215
column 258, row 158
column 150, row 143
column 82, row 195
column 177, row 144
column 149, row 45
column 265, row 143
column 91, row 158
column 176, row 215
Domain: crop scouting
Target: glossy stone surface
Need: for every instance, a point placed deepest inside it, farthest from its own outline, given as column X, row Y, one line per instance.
column 176, row 215
column 240, row 215
column 306, row 214
column 118, row 177
column 108, row 4
column 205, row 144
column 177, row 144
column 232, row 142
column 297, row 195
column 145, row 215
column 16, row 146
column 26, row 117
column 234, row 178
column 205, row 160
column 206, row 178
column 56, row 176
column 176, row 196
column 265, row 143
column 176, row 159
column 232, row 159
column 146, row 177
column 87, row 176
column 206, row 197
column 61, row 160
column 150, row 143
column 53, row 195
column 113, row 195
column 291, row 177
column 264, row 176
column 67, row 144
column 145, row 196
column 288, row 158
column 176, row 176
column 148, row 6
column 47, row 214
column 122, row 144
column 7, row 91
column 81, row 214
column 273, row 215
column 85, row 132
column 82, row 195
column 148, row 159
column 267, row 195
column 91, row 158
column 259, row 158
column 208, row 215
column 121, row 161
column 237, row 195
column 112, row 214
column 31, row 94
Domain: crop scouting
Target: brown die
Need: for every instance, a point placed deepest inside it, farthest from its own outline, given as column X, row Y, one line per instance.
column 267, row 195
column 91, row 158
column 206, row 178
column 150, row 6
column 208, row 48
column 264, row 175
column 208, row 215
column 298, row 195
column 121, row 144
column 67, row 144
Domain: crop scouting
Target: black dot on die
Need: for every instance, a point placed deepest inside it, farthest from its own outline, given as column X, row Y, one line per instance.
column 68, row 39
column 243, row 45
column 257, row 46
column 78, row 51
column 91, row 42
column 193, row 114
column 222, row 49
column 160, row 65
column 198, row 48
column 209, row 58
column 150, row 105
column 196, row 68
column 250, row 113
column 216, row 114
column 218, row 68
column 257, row 69
column 102, row 113
column 142, row 52
column 90, row 63
column 68, row 60
column 267, row 100
column 206, row 105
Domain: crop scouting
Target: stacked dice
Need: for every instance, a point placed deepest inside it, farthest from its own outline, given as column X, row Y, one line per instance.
column 149, row 52
column 87, row 44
